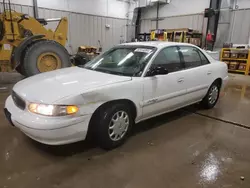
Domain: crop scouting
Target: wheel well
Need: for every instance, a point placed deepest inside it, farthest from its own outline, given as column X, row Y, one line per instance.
column 100, row 108
column 219, row 81
column 130, row 104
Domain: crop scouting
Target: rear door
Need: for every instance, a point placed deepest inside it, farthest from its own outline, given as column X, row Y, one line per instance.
column 199, row 75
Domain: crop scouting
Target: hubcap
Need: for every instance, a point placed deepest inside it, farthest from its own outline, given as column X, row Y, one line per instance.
column 48, row 62
column 213, row 94
column 118, row 125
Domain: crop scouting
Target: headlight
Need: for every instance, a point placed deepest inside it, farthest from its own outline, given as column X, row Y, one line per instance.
column 52, row 110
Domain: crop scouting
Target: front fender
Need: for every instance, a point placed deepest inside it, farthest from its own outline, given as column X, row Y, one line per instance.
column 86, row 103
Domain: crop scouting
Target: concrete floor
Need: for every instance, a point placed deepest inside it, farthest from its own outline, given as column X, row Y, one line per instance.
column 185, row 149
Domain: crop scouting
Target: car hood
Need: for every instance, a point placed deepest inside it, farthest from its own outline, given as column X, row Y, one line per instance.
column 52, row 86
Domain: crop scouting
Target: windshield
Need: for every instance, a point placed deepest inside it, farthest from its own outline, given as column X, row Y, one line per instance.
column 123, row 60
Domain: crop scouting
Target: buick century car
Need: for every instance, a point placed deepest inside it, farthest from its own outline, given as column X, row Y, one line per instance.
column 127, row 84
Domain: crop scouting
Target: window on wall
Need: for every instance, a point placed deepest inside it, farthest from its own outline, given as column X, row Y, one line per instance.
column 191, row 56
column 169, row 58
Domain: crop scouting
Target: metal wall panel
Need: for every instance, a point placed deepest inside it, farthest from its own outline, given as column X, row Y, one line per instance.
column 131, row 31
column 109, row 33
column 84, row 29
column 88, row 29
column 146, row 26
column 224, row 23
column 186, row 21
column 240, row 27
column 17, row 8
column 233, row 28
column 46, row 13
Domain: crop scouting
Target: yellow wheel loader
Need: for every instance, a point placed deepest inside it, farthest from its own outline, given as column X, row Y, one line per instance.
column 28, row 47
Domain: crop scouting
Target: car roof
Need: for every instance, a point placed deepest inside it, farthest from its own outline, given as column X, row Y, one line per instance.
column 157, row 44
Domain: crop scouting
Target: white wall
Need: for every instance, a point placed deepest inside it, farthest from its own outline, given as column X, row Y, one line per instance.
column 21, row 2
column 111, row 8
column 243, row 3
column 131, row 8
column 54, row 4
column 176, row 8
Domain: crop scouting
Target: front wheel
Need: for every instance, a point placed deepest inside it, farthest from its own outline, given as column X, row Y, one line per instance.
column 212, row 96
column 113, row 126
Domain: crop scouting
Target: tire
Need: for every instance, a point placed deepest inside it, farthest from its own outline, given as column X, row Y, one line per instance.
column 20, row 70
column 105, row 121
column 53, row 50
column 212, row 96
column 1, row 30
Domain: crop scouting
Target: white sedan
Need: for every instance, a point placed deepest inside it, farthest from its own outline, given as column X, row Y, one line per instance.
column 125, row 85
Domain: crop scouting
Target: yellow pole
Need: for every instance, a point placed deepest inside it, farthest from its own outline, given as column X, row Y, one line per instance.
column 221, row 54
column 248, row 64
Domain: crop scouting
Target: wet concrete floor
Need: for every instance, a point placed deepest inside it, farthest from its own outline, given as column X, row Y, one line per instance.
column 182, row 149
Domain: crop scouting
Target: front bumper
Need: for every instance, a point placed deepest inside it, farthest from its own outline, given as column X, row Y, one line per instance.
column 48, row 130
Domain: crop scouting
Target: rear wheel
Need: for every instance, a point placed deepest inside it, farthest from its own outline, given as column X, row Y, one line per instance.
column 212, row 96
column 44, row 56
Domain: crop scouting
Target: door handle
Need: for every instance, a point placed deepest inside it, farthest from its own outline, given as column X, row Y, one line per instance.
column 209, row 72
column 181, row 80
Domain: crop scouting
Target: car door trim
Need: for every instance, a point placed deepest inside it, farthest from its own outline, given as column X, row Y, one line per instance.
column 163, row 98
column 198, row 88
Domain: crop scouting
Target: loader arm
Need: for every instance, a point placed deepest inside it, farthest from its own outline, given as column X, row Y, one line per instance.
column 59, row 35
column 61, row 32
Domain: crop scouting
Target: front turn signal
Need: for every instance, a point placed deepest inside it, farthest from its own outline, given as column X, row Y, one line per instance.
column 72, row 109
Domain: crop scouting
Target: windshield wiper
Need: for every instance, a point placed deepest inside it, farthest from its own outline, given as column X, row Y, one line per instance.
column 108, row 71
column 105, row 71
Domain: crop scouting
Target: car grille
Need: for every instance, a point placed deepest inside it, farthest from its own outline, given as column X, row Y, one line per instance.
column 19, row 102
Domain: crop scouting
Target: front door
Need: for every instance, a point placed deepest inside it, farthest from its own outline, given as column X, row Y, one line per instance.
column 164, row 93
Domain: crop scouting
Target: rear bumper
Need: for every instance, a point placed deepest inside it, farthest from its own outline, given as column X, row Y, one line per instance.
column 47, row 130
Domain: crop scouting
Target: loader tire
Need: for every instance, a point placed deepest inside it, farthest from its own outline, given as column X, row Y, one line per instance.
column 1, row 30
column 20, row 70
column 44, row 56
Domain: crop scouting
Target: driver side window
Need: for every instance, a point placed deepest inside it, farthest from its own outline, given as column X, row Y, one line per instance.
column 168, row 58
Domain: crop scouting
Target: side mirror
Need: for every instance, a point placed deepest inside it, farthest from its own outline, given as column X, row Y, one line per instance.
column 153, row 71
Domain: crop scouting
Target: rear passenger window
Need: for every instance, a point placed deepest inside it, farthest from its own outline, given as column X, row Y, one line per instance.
column 191, row 57
column 204, row 60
